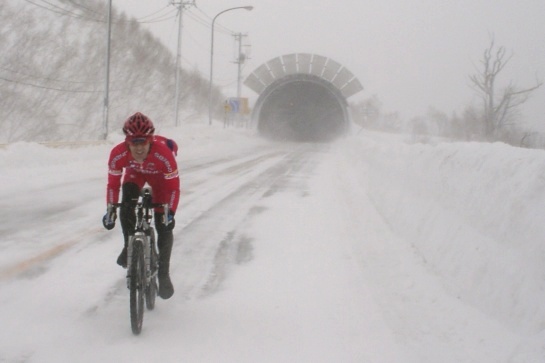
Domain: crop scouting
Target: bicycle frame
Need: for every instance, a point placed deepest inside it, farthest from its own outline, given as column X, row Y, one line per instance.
column 142, row 234
column 140, row 238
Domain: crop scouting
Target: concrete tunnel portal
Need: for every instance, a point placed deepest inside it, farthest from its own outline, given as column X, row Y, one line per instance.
column 302, row 97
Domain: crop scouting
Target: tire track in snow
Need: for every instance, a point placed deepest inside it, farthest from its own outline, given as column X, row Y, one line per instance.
column 26, row 266
column 212, row 242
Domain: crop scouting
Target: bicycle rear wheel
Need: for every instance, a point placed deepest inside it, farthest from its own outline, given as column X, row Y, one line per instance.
column 137, row 287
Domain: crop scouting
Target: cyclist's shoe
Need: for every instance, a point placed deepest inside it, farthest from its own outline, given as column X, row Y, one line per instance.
column 166, row 290
column 122, row 259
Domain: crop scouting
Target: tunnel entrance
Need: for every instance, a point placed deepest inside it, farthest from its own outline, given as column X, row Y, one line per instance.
column 302, row 97
column 301, row 110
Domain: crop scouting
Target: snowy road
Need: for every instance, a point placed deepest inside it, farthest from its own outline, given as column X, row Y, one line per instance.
column 283, row 253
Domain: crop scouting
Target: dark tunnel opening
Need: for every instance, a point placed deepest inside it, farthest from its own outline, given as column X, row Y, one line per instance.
column 302, row 109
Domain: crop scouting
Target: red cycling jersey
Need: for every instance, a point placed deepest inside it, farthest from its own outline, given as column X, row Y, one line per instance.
column 159, row 170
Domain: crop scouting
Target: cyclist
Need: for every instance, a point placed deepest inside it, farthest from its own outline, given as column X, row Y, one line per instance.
column 144, row 157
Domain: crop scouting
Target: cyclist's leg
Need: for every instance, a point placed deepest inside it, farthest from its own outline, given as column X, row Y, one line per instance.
column 165, row 239
column 130, row 192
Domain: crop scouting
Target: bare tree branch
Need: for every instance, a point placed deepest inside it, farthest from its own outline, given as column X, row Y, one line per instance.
column 498, row 111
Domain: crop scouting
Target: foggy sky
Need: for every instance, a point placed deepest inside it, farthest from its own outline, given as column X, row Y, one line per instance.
column 412, row 54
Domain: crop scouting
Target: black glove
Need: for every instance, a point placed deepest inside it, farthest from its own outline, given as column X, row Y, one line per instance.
column 163, row 224
column 109, row 219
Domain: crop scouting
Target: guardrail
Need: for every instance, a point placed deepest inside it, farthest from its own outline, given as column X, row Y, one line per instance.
column 68, row 144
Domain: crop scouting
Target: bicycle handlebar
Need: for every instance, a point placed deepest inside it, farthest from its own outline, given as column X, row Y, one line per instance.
column 113, row 206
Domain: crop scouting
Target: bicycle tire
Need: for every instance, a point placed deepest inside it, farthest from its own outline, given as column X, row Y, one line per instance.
column 152, row 287
column 137, row 287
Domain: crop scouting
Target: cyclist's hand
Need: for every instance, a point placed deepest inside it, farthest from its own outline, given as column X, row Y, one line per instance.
column 170, row 222
column 109, row 219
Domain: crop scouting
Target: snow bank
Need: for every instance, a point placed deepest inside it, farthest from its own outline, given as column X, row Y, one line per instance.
column 473, row 211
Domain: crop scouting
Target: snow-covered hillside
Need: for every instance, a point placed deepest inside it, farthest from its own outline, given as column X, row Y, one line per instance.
column 370, row 249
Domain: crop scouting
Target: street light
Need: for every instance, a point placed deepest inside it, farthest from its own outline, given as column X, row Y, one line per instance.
column 212, row 58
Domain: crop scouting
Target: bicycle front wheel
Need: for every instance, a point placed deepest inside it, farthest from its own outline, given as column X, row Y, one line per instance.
column 151, row 289
column 137, row 287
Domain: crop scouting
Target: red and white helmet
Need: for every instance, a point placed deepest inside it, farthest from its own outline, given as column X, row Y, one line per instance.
column 138, row 125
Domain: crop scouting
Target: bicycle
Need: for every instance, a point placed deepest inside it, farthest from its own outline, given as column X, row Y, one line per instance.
column 142, row 259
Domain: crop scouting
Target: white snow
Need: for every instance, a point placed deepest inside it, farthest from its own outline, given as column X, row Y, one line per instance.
column 372, row 249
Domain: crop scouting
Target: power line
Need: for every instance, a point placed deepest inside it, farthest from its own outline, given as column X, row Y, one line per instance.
column 53, row 80
column 44, row 78
column 63, row 11
column 66, row 12
column 159, row 19
column 48, row 88
column 83, row 7
column 208, row 23
column 199, row 20
column 145, row 20
column 61, row 8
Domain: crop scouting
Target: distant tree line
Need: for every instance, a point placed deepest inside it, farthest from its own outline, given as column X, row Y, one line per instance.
column 497, row 118
column 52, row 72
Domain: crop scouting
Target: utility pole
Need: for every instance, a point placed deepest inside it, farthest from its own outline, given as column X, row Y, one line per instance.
column 241, row 58
column 181, row 5
column 107, row 78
